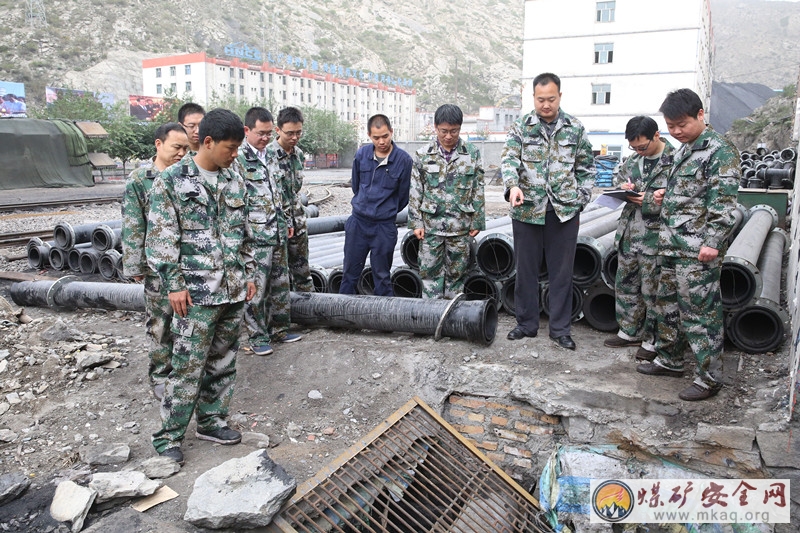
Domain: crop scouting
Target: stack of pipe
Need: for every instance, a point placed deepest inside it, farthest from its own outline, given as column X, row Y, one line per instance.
column 80, row 248
column 773, row 170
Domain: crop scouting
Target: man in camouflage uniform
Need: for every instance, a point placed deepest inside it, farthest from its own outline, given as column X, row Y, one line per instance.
column 172, row 143
column 189, row 116
column 285, row 161
column 446, row 205
column 267, row 314
column 548, row 170
column 380, row 181
column 197, row 241
column 637, row 236
column 696, row 217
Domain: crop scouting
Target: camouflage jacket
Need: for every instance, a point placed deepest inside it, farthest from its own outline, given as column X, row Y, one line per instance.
column 700, row 197
column 267, row 206
column 197, row 239
column 135, row 205
column 446, row 198
column 558, row 167
column 640, row 225
column 288, row 172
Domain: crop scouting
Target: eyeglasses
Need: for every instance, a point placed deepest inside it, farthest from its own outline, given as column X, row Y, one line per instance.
column 263, row 134
column 453, row 133
column 297, row 134
column 642, row 148
column 191, row 127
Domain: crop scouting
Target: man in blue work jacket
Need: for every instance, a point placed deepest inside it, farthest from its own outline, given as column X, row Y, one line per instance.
column 380, row 180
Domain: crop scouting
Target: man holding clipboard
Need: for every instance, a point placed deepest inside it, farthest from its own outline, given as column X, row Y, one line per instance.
column 637, row 236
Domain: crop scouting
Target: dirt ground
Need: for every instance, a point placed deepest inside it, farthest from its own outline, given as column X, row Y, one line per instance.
column 363, row 376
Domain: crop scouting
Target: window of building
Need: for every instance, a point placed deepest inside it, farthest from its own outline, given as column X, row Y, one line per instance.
column 158, row 72
column 231, row 88
column 241, row 73
column 283, row 79
column 173, row 87
column 188, row 86
column 605, row 11
column 158, row 89
column 262, row 77
column 284, row 95
column 171, row 71
column 302, row 83
column 231, row 71
column 241, row 90
column 270, row 78
column 271, row 94
column 262, row 92
column 187, row 69
column 601, row 94
column 302, row 97
column 604, row 53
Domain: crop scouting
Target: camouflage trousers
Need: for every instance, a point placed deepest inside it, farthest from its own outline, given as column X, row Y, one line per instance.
column 204, row 345
column 444, row 263
column 267, row 315
column 635, row 295
column 158, row 313
column 689, row 311
column 299, row 272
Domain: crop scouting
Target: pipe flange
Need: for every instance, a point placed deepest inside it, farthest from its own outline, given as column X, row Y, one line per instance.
column 767, row 208
column 745, row 213
column 787, row 244
column 438, row 333
column 56, row 286
column 780, row 312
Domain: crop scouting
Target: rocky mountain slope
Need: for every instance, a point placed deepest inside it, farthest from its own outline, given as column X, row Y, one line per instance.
column 474, row 49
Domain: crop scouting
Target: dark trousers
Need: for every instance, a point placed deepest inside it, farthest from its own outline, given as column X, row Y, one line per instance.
column 557, row 241
column 378, row 239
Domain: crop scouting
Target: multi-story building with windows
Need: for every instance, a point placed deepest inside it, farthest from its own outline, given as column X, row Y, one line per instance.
column 353, row 95
column 617, row 59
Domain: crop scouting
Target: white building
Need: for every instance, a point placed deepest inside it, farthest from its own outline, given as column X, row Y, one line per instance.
column 617, row 59
column 353, row 95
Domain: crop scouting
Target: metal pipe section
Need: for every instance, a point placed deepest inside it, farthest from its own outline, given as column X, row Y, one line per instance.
column 588, row 261
column 88, row 260
column 762, row 325
column 66, row 235
column 600, row 226
column 319, row 277
column 507, row 295
column 316, row 226
column 69, row 293
column 577, row 301
column 58, row 258
column 409, row 250
column 106, row 238
column 495, row 256
column 474, row 320
column 107, row 264
column 478, row 286
column 740, row 279
column 74, row 256
column 599, row 307
column 406, row 282
column 38, row 252
column 335, row 280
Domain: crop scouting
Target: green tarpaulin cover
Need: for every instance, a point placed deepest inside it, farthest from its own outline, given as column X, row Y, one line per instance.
column 42, row 153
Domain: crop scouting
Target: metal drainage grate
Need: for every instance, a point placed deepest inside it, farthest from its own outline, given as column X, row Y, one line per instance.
column 413, row 473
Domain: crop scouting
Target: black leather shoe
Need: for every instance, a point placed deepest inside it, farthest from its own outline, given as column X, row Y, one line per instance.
column 517, row 333
column 652, row 369
column 565, row 341
column 173, row 453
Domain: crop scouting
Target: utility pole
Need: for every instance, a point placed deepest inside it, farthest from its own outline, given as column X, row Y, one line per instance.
column 36, row 15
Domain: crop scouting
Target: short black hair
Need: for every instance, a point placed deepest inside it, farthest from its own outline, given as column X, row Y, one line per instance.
column 189, row 108
column 641, row 126
column 681, row 103
column 163, row 130
column 289, row 114
column 257, row 114
column 448, row 114
column 376, row 121
column 547, row 77
column 221, row 125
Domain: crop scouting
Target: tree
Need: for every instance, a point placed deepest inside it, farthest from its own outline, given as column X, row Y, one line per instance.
column 129, row 139
column 325, row 133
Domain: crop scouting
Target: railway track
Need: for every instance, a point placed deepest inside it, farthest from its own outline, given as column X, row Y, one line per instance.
column 59, row 203
column 21, row 238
